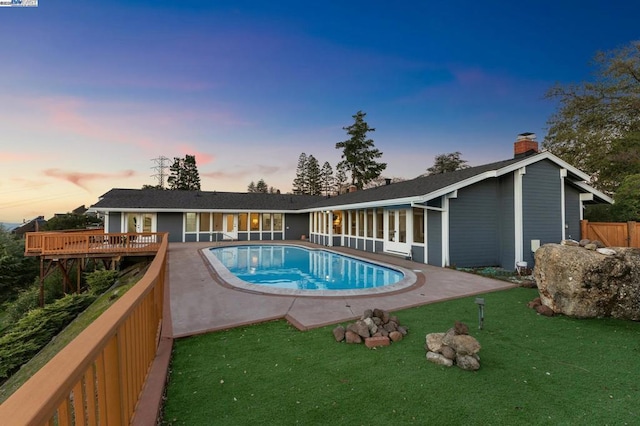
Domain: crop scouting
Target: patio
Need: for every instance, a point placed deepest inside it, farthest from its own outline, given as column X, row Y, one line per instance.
column 201, row 302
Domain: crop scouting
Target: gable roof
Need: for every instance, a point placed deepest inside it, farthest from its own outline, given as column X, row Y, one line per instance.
column 418, row 190
column 178, row 200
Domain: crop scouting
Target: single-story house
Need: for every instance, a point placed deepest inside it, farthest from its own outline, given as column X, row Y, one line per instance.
column 491, row 215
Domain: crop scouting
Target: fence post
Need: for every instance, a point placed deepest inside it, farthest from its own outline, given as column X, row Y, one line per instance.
column 583, row 229
column 631, row 233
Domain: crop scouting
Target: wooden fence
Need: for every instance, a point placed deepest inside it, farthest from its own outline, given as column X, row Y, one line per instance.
column 612, row 234
column 98, row 377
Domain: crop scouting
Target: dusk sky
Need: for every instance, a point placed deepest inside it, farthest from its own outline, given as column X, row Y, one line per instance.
column 92, row 91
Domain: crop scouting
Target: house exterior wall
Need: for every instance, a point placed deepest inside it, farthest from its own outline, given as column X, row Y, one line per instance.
column 473, row 225
column 434, row 237
column 296, row 225
column 572, row 207
column 541, row 205
column 115, row 222
column 171, row 223
column 506, row 223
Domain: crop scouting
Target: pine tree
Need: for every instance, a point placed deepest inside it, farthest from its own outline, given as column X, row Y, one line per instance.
column 251, row 187
column 300, row 181
column 184, row 174
column 262, row 187
column 358, row 153
column 327, row 178
column 314, row 178
column 340, row 179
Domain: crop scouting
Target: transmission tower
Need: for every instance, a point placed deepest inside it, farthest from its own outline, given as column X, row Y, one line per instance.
column 160, row 169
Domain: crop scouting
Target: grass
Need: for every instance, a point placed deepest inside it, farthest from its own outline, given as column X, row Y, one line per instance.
column 534, row 370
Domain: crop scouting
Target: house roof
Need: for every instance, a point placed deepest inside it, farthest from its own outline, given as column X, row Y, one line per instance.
column 177, row 200
column 418, row 190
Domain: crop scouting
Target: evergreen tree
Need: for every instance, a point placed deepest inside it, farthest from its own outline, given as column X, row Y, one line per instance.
column 358, row 153
column 340, row 179
column 300, row 181
column 251, row 187
column 184, row 174
column 262, row 187
column 326, row 174
column 314, row 177
column 447, row 163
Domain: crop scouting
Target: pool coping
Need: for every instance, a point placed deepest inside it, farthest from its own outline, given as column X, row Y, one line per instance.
column 229, row 279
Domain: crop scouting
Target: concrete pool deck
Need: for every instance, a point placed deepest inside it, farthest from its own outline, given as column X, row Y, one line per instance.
column 200, row 301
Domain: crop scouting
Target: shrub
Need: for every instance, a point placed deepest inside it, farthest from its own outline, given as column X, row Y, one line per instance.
column 100, row 281
column 33, row 331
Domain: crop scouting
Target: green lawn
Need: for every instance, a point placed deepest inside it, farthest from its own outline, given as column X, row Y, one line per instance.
column 534, row 370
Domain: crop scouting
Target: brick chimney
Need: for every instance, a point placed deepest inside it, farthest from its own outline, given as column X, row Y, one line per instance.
column 525, row 145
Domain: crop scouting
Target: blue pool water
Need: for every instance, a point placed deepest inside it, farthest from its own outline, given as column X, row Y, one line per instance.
column 293, row 267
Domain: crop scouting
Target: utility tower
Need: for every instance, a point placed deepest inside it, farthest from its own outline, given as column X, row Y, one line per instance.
column 160, row 169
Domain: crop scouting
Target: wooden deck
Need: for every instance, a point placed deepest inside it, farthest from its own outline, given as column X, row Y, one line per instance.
column 91, row 244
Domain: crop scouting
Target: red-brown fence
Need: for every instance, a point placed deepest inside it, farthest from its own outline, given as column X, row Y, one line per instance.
column 612, row 234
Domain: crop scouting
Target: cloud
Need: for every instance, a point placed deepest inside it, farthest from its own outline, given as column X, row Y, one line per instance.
column 80, row 179
column 10, row 157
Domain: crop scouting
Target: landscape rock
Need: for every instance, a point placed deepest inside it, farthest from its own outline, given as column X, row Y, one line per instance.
column 467, row 362
column 464, row 344
column 448, row 352
column 587, row 284
column 373, row 328
column 351, row 337
column 437, row 358
column 544, row 310
column 461, row 328
column 362, row 329
column 395, row 336
column 434, row 341
column 339, row 333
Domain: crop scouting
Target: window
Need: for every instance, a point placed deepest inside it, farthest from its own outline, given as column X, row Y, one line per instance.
column 266, row 222
column 379, row 223
column 418, row 225
column 190, row 222
column 277, row 221
column 242, row 221
column 205, row 222
column 361, row 223
column 369, row 223
column 337, row 222
column 255, row 221
column 217, row 222
column 352, row 224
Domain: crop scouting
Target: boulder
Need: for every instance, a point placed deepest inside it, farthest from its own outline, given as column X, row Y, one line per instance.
column 373, row 328
column 361, row 328
column 395, row 336
column 439, row 359
column 434, row 341
column 467, row 362
column 461, row 328
column 587, row 284
column 338, row 333
column 448, row 352
column 374, row 342
column 351, row 337
column 463, row 344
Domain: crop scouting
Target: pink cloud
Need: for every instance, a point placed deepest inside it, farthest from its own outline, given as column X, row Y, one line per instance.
column 10, row 157
column 80, row 179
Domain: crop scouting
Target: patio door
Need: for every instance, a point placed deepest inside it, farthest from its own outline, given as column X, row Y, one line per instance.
column 395, row 231
column 141, row 222
column 230, row 227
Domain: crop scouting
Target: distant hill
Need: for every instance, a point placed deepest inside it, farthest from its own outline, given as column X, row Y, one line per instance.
column 7, row 226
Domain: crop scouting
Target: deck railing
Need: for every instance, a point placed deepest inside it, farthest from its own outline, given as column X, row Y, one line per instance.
column 90, row 242
column 98, row 377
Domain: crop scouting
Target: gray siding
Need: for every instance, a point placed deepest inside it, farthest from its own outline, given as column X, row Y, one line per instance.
column 572, row 212
column 473, row 225
column 417, row 253
column 506, row 223
column 171, row 223
column 434, row 237
column 541, row 205
column 114, row 222
column 296, row 225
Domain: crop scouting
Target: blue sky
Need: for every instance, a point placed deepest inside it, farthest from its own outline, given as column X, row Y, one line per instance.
column 91, row 92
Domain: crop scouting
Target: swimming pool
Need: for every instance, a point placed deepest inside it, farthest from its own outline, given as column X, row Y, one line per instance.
column 290, row 269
